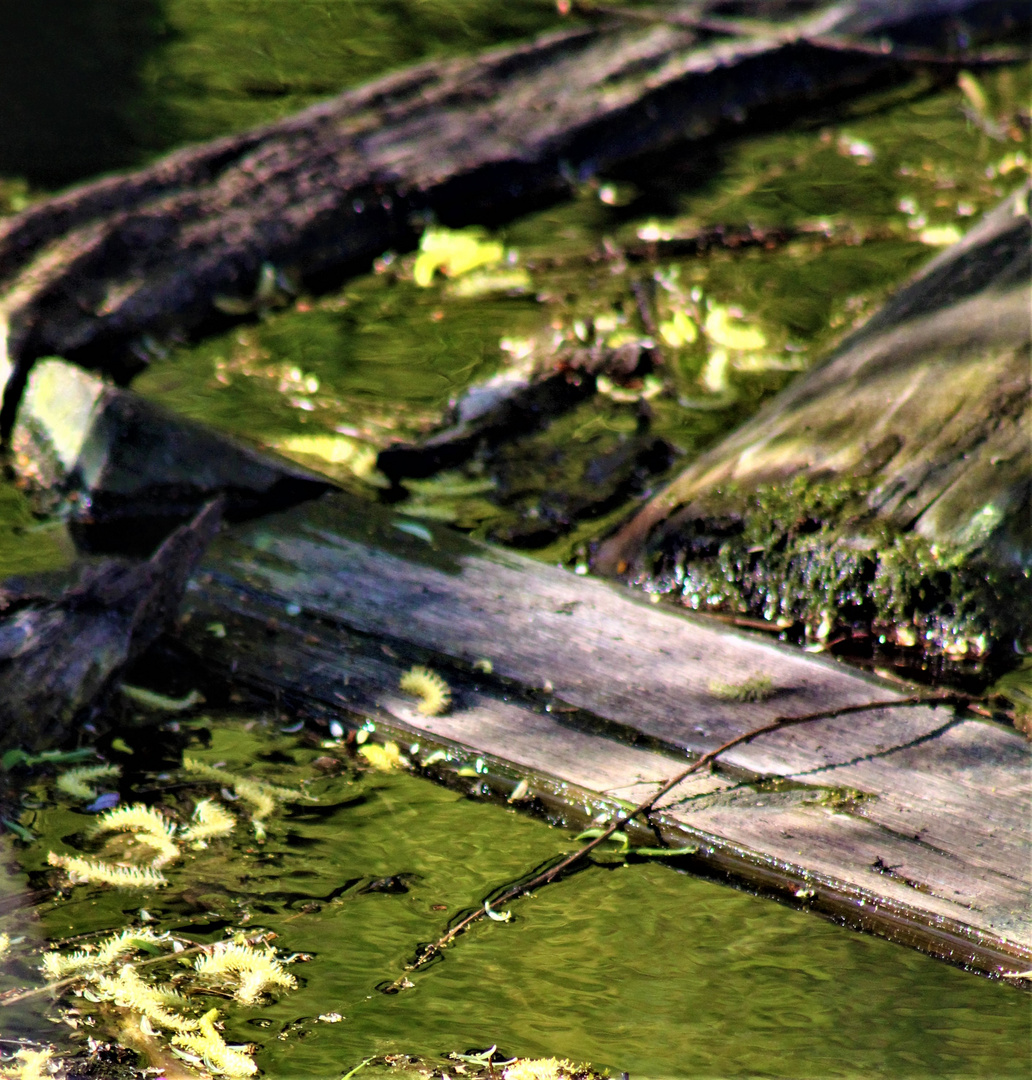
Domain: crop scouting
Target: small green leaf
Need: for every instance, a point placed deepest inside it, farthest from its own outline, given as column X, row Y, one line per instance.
column 591, row 834
column 663, row 852
column 61, row 757
column 12, row 758
column 19, row 830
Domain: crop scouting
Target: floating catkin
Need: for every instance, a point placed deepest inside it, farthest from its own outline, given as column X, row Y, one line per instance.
column 209, row 1045
column 78, row 782
column 385, row 758
column 83, row 871
column 129, row 991
column 151, row 827
column 209, row 821
column 432, row 691
column 256, row 970
column 57, row 965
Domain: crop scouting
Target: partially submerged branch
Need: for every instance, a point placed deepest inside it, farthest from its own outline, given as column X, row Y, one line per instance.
column 646, row 806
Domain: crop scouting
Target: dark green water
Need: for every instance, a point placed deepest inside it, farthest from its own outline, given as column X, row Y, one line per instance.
column 631, row 967
column 379, row 361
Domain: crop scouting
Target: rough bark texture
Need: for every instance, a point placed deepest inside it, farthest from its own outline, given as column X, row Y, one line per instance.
column 87, row 274
column 58, row 657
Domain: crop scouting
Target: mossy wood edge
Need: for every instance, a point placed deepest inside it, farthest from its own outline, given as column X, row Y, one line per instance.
column 918, row 424
column 92, row 273
column 909, row 822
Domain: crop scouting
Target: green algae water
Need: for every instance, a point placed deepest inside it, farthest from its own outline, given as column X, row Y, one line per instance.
column 631, row 967
column 331, row 380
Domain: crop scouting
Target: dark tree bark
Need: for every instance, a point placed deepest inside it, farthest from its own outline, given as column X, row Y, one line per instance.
column 87, row 274
column 59, row 657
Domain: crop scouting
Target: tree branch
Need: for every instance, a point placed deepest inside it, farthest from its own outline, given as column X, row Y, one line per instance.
column 555, row 872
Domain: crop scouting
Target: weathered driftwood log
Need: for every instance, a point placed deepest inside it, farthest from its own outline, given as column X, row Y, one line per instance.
column 127, row 473
column 59, row 656
column 105, row 458
column 89, row 274
column 911, row 442
column 911, row 822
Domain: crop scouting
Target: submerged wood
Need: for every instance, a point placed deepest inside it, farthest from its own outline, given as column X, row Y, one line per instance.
column 513, row 403
column 911, row 822
column 119, row 466
column 95, row 274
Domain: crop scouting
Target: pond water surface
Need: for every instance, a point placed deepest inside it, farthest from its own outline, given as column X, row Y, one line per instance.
column 630, row 966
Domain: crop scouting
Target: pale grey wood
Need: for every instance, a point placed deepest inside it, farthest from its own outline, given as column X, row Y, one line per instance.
column 602, row 695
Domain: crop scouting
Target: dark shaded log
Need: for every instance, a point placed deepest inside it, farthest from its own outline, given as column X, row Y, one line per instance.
column 60, row 656
column 126, row 471
column 89, row 274
column 911, row 822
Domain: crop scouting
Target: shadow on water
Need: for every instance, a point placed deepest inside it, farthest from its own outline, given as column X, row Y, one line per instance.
column 74, row 99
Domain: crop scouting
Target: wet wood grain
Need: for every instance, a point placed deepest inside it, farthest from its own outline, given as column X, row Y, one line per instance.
column 911, row 821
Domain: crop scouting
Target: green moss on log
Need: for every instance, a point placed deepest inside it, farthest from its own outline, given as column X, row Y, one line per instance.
column 811, row 559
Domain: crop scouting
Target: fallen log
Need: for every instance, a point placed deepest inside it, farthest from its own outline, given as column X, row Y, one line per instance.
column 97, row 274
column 910, row 821
column 888, row 491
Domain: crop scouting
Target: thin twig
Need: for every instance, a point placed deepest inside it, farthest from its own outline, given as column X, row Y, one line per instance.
column 645, row 807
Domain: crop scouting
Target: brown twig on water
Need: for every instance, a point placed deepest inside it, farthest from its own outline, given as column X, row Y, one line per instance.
column 729, row 236
column 546, row 877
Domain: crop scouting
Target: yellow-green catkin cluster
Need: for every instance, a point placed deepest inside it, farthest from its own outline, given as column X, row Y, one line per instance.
column 153, row 830
column 254, row 971
column 148, row 825
column 164, row 837
column 260, row 795
column 106, row 973
column 57, row 965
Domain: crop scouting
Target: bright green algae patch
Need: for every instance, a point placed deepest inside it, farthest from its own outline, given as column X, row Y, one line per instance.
column 27, row 544
column 634, row 967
